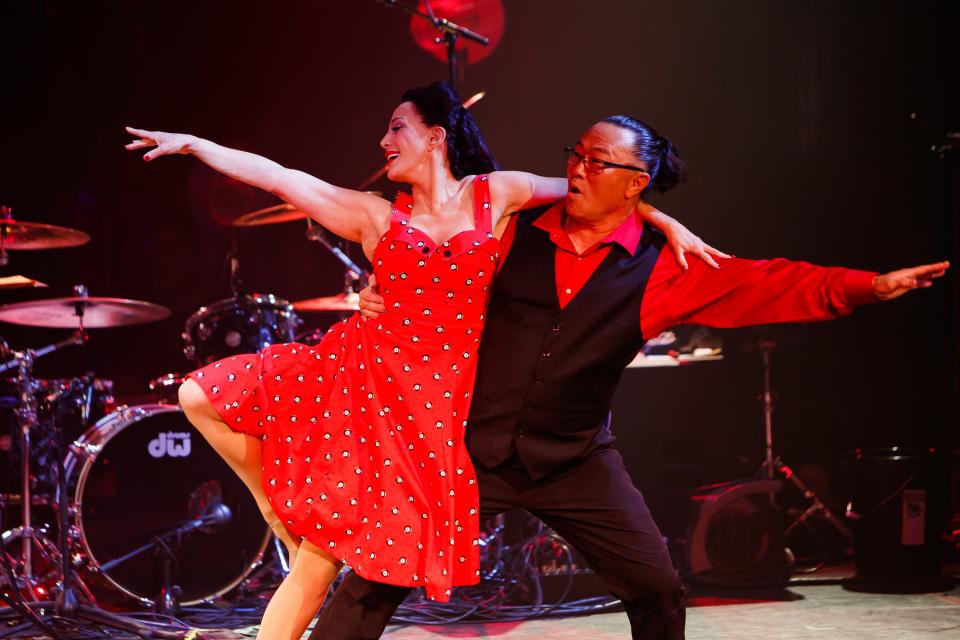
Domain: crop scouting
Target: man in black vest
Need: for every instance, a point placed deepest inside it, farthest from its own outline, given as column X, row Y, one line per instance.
column 581, row 286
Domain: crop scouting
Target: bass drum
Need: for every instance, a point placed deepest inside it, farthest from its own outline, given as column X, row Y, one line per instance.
column 137, row 476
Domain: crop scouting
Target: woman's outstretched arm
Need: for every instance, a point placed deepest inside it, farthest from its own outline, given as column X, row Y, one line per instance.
column 354, row 215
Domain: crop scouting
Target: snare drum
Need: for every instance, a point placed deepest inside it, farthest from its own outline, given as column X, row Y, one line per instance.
column 166, row 387
column 244, row 324
column 141, row 473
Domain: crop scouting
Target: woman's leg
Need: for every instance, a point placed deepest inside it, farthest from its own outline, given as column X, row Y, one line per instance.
column 239, row 450
column 300, row 595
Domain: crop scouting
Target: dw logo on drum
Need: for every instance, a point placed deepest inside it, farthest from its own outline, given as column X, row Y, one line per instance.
column 171, row 443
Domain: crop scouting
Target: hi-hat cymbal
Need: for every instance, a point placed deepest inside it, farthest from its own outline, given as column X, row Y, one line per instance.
column 339, row 302
column 98, row 313
column 29, row 236
column 270, row 215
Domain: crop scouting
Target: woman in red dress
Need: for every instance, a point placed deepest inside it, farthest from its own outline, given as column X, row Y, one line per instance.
column 353, row 448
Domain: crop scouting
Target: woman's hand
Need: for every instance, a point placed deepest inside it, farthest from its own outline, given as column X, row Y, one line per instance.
column 165, row 143
column 680, row 239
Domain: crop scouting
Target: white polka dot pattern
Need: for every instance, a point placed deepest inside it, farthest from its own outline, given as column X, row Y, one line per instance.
column 362, row 454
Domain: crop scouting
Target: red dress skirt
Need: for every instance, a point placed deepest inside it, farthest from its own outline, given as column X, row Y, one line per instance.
column 363, row 434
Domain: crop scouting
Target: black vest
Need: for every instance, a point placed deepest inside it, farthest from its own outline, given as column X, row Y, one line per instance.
column 546, row 376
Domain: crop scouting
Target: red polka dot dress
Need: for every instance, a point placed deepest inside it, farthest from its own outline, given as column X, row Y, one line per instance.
column 363, row 434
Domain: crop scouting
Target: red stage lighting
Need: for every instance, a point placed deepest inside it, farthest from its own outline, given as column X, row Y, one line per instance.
column 483, row 16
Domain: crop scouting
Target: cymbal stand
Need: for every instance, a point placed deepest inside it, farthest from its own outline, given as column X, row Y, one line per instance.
column 773, row 465
column 354, row 274
column 233, row 267
column 6, row 215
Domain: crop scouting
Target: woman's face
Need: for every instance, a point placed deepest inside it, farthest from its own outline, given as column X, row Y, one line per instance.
column 408, row 144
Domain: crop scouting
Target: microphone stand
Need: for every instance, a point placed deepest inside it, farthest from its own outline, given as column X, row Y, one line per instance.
column 167, row 601
column 449, row 33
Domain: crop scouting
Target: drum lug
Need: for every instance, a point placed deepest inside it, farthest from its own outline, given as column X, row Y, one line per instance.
column 86, row 450
column 82, row 561
column 188, row 350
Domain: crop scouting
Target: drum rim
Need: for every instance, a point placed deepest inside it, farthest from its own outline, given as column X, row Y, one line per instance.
column 258, row 299
column 106, row 428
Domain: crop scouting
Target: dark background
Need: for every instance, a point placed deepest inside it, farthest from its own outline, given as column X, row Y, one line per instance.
column 808, row 128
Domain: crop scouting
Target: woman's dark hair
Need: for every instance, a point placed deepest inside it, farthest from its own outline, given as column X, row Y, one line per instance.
column 467, row 152
column 663, row 161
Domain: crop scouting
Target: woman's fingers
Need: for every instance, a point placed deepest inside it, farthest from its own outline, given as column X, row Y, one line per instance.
column 716, row 252
column 156, row 153
column 706, row 257
column 147, row 139
column 681, row 259
column 143, row 133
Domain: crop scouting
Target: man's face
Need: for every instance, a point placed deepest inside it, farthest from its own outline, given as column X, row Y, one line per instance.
column 594, row 196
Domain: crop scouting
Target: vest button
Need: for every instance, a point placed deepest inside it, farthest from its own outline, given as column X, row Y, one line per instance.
column 426, row 250
column 555, row 328
column 447, row 253
column 519, row 433
column 547, row 354
column 538, row 379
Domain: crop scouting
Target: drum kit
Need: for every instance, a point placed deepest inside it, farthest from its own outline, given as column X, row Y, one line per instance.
column 127, row 506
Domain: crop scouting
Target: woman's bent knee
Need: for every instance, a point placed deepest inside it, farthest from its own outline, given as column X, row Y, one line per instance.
column 193, row 400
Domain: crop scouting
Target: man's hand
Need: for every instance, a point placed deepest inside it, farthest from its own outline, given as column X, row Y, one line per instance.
column 896, row 283
column 371, row 303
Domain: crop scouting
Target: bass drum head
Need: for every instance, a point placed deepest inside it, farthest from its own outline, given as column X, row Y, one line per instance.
column 146, row 471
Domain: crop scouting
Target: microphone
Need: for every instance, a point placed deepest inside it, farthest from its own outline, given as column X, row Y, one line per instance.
column 214, row 517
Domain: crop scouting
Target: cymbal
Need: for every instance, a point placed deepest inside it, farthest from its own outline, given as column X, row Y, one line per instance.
column 98, row 313
column 339, row 302
column 270, row 215
column 19, row 282
column 29, row 236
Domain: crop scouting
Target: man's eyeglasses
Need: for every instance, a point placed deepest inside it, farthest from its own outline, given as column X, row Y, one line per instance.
column 595, row 165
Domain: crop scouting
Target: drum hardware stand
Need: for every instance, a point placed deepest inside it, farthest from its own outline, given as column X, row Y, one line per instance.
column 773, row 465
column 67, row 603
column 27, row 420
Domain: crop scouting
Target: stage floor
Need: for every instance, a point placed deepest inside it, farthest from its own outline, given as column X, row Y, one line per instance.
column 823, row 612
